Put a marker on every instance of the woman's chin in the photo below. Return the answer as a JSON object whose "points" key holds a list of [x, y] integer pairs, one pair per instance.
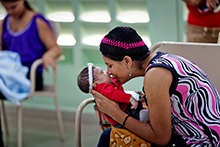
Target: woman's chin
{"points": [[121, 81]]}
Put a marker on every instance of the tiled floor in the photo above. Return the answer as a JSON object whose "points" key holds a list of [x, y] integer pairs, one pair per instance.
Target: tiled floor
{"points": [[43, 131]]}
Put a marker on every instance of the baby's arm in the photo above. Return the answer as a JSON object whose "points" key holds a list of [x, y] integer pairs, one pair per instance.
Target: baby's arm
{"points": [[112, 93]]}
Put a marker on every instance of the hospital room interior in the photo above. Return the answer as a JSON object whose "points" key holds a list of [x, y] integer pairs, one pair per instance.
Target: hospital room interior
{"points": [[80, 26]]}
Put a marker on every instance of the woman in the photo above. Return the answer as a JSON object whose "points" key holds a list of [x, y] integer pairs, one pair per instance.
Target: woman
{"points": [[203, 23], [30, 34], [182, 101]]}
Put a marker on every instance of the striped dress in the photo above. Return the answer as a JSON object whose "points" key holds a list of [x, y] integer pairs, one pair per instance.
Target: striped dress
{"points": [[194, 101]]}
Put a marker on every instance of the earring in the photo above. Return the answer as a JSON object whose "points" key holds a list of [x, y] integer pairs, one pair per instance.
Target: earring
{"points": [[130, 72]]}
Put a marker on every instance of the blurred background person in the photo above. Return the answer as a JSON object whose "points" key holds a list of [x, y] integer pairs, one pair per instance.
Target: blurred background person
{"points": [[28, 33], [203, 24]]}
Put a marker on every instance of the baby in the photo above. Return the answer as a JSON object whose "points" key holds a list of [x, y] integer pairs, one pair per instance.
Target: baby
{"points": [[112, 89]]}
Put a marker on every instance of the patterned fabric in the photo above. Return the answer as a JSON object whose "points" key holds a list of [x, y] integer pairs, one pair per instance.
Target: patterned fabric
{"points": [[122, 137], [194, 101], [25, 42]]}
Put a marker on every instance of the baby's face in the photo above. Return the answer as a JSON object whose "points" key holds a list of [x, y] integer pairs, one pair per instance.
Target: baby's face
{"points": [[103, 77]]}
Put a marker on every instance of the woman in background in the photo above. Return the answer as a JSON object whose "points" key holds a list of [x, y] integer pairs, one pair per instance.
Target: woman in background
{"points": [[28, 33], [203, 24]]}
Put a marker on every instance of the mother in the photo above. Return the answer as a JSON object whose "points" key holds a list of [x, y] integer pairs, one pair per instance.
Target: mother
{"points": [[181, 99]]}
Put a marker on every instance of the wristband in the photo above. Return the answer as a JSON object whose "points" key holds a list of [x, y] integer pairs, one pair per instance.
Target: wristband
{"points": [[125, 120]]}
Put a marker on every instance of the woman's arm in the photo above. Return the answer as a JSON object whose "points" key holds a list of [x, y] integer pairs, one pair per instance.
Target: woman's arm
{"points": [[48, 39], [156, 83], [1, 29]]}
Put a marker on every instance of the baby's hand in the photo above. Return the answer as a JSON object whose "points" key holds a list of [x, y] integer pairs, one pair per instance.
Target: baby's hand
{"points": [[133, 102]]}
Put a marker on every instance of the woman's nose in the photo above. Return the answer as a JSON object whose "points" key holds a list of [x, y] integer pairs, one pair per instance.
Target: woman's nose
{"points": [[108, 72], [9, 11]]}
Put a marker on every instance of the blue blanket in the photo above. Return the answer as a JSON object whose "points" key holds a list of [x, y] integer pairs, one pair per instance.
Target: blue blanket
{"points": [[13, 82]]}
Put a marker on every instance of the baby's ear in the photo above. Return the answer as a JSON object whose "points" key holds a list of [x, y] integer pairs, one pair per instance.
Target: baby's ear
{"points": [[95, 83]]}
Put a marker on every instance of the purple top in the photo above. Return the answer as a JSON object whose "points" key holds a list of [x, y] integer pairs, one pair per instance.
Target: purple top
{"points": [[25, 42]]}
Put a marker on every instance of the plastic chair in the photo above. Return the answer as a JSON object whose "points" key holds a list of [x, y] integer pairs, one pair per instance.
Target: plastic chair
{"points": [[78, 119], [79, 115], [48, 91], [205, 55]]}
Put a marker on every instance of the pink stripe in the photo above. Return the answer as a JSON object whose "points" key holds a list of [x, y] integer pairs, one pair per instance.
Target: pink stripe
{"points": [[216, 128], [190, 64], [177, 64], [121, 44], [179, 131]]}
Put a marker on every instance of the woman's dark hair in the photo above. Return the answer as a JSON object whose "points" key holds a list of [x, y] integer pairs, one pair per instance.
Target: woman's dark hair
{"points": [[26, 4], [124, 41]]}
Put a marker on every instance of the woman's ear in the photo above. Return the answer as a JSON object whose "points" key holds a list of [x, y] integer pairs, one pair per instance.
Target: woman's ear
{"points": [[128, 61]]}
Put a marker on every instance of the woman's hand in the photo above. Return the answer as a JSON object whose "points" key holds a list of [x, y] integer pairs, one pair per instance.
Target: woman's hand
{"points": [[105, 105], [48, 60], [211, 4]]}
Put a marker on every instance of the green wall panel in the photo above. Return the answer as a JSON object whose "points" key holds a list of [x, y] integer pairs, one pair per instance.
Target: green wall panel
{"points": [[68, 53], [163, 20], [93, 56], [166, 24]]}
